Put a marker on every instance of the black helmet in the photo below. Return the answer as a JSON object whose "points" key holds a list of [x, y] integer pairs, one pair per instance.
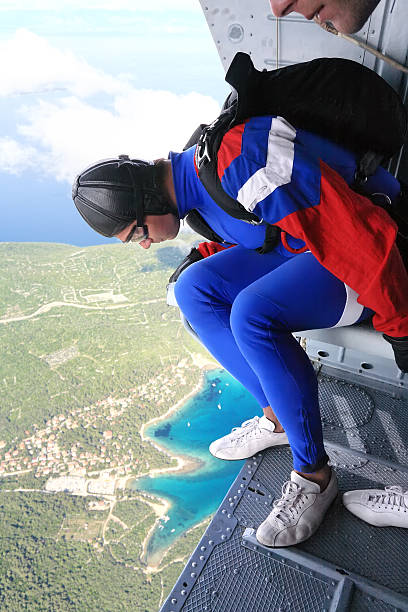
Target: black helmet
{"points": [[112, 193]]}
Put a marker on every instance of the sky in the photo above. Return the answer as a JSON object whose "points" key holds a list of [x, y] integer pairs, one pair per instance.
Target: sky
{"points": [[89, 80]]}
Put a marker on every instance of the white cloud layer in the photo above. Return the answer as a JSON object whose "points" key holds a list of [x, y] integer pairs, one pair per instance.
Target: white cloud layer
{"points": [[14, 156], [34, 65], [107, 5], [61, 137]]}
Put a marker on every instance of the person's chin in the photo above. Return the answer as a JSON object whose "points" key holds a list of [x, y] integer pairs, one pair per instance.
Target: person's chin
{"points": [[348, 24]]}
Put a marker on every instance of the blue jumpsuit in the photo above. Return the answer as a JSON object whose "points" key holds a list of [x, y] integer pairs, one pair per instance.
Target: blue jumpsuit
{"points": [[244, 306]]}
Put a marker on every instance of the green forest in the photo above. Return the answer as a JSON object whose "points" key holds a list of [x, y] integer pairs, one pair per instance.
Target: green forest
{"points": [[90, 352]]}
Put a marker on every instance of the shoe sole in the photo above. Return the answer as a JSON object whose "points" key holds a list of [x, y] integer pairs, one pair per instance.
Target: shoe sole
{"points": [[374, 523], [248, 456]]}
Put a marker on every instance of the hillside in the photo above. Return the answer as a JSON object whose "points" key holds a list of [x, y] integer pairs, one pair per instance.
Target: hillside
{"points": [[90, 352]]}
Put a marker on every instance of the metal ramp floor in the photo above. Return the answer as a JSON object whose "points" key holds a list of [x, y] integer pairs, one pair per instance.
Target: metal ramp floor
{"points": [[347, 564]]}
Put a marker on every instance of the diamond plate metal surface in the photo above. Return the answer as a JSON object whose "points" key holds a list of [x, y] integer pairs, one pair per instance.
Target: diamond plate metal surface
{"points": [[363, 602], [343, 404], [380, 419], [364, 431]]}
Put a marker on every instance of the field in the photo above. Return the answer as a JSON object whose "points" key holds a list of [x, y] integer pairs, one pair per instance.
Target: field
{"points": [[90, 352]]}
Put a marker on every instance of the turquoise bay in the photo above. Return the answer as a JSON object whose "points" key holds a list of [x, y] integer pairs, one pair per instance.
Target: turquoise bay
{"points": [[221, 404]]}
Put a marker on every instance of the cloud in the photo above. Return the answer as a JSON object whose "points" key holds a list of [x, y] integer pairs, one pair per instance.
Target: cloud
{"points": [[14, 156], [96, 116], [107, 5], [145, 124], [36, 66]]}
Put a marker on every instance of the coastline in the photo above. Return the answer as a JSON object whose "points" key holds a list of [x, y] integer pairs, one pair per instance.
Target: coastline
{"points": [[156, 559], [185, 463]]}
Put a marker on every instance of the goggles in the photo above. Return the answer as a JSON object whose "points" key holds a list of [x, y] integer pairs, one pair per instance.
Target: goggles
{"points": [[137, 234]]}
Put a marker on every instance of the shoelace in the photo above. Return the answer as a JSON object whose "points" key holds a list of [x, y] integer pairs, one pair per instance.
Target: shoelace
{"points": [[392, 496], [247, 425], [283, 508]]}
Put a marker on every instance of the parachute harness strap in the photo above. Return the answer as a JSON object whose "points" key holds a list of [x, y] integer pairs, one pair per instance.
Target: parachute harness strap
{"points": [[125, 161]]}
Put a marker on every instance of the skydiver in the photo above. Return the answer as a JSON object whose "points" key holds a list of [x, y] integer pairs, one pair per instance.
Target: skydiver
{"points": [[244, 305], [378, 507], [346, 15]]}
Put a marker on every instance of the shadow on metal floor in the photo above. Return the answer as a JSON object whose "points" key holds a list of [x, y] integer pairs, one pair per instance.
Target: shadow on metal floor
{"points": [[347, 565]]}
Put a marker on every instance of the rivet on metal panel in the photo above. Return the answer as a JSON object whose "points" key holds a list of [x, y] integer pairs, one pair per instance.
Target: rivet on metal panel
{"points": [[228, 529], [193, 574], [214, 593], [201, 557], [211, 542], [174, 600], [229, 516], [230, 499], [203, 548], [194, 564], [223, 511], [183, 592], [223, 537]]}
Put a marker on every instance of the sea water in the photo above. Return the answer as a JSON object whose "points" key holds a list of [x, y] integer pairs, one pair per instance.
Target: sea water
{"points": [[223, 403]]}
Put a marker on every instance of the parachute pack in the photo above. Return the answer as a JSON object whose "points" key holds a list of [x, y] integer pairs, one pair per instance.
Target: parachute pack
{"points": [[333, 97]]}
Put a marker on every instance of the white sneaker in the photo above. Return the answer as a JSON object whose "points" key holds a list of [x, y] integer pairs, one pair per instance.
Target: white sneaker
{"points": [[381, 508], [245, 441], [298, 513]]}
